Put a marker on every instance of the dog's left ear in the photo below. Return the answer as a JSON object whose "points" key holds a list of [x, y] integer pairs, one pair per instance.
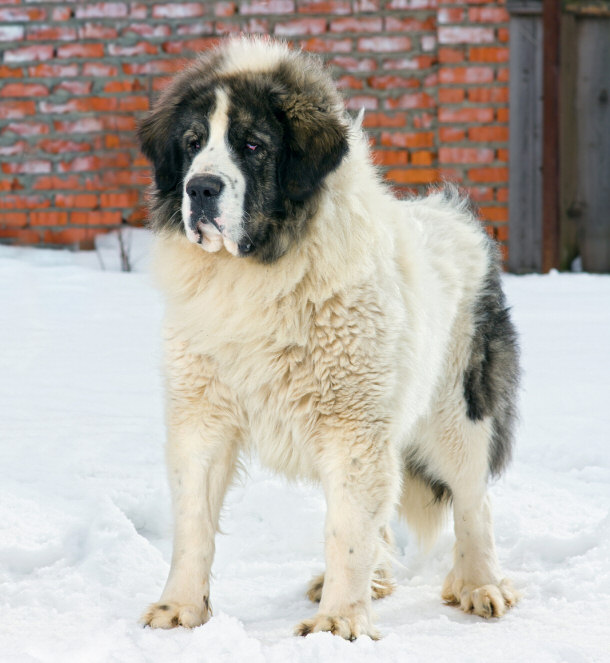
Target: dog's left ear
{"points": [[315, 142], [160, 145]]}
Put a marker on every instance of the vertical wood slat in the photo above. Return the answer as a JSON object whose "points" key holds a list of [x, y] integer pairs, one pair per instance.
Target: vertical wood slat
{"points": [[592, 106], [525, 186], [551, 20]]}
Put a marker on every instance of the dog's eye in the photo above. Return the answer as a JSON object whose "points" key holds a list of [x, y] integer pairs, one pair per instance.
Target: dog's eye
{"points": [[251, 147], [194, 145]]}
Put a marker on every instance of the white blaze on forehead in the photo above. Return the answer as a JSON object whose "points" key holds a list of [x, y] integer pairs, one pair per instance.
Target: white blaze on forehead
{"points": [[216, 158]]}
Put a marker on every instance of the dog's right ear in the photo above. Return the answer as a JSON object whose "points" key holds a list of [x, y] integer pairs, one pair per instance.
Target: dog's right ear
{"points": [[160, 145]]}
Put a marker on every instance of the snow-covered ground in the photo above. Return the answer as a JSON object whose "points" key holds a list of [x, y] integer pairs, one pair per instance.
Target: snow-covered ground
{"points": [[85, 527]]}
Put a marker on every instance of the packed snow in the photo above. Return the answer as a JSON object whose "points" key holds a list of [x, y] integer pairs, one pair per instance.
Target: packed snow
{"points": [[85, 524]]}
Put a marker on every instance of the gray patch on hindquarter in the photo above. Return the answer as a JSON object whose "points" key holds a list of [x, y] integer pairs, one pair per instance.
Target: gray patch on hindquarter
{"points": [[416, 467], [492, 376]]}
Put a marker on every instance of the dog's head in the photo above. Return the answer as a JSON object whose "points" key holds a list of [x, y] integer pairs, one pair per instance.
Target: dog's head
{"points": [[241, 143]]}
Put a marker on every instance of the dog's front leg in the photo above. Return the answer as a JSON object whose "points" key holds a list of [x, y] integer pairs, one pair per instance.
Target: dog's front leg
{"points": [[202, 451], [360, 494]]}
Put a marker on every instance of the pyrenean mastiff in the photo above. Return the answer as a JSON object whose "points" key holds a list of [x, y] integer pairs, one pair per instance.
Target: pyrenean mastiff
{"points": [[345, 335]]}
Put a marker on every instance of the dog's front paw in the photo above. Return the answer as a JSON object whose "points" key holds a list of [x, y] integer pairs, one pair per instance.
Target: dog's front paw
{"points": [[170, 615], [347, 627], [490, 600]]}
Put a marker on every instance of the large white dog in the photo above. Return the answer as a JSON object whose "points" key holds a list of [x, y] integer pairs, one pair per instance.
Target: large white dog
{"points": [[343, 334]]}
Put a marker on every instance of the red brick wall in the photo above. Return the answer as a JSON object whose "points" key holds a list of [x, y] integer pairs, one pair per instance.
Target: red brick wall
{"points": [[75, 76]]}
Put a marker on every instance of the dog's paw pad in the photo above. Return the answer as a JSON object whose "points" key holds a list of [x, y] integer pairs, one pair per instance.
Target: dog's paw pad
{"points": [[170, 615]]}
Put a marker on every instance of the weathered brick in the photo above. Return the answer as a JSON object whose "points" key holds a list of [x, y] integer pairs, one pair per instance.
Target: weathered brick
{"points": [[101, 10], [80, 51], [465, 155], [356, 25], [465, 35], [488, 174], [19, 90], [466, 75], [76, 200], [51, 33], [384, 44], [29, 53], [304, 26]]}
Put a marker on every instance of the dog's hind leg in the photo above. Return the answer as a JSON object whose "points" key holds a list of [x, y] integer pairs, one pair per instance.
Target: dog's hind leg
{"points": [[459, 458], [202, 450]]}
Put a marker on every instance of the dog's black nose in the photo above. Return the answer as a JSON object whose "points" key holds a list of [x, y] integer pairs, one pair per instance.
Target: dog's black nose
{"points": [[203, 187]]}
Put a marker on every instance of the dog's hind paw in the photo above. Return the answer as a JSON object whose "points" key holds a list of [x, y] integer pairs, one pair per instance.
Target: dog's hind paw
{"points": [[491, 600], [170, 615]]}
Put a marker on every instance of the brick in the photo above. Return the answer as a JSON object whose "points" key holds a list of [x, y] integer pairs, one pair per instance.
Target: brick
{"points": [[61, 146], [97, 31], [319, 45], [391, 82], [412, 4], [62, 14], [356, 25], [51, 33], [488, 54], [77, 200], [410, 139], [80, 51], [465, 35], [465, 155], [459, 115], [488, 95], [194, 45], [31, 167], [349, 83], [97, 218], [21, 14], [407, 101], [10, 72], [82, 237], [450, 55], [450, 15], [21, 202], [101, 10], [466, 75], [225, 9], [49, 70], [304, 26], [494, 213], [26, 128], [451, 95], [451, 134], [488, 134], [93, 163], [372, 120], [132, 104], [15, 110], [82, 125], [266, 7], [481, 193], [18, 235], [54, 183], [147, 30], [29, 54], [488, 15], [126, 199], [329, 7], [142, 48], [502, 115], [133, 85], [13, 219], [74, 87], [11, 33], [409, 24], [99, 69], [353, 64], [204, 28], [389, 158], [384, 44], [422, 158], [488, 174], [16, 90], [413, 175], [51, 218], [179, 10]]}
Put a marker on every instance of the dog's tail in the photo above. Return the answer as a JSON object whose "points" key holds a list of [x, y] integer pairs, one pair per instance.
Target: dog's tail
{"points": [[424, 506]]}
